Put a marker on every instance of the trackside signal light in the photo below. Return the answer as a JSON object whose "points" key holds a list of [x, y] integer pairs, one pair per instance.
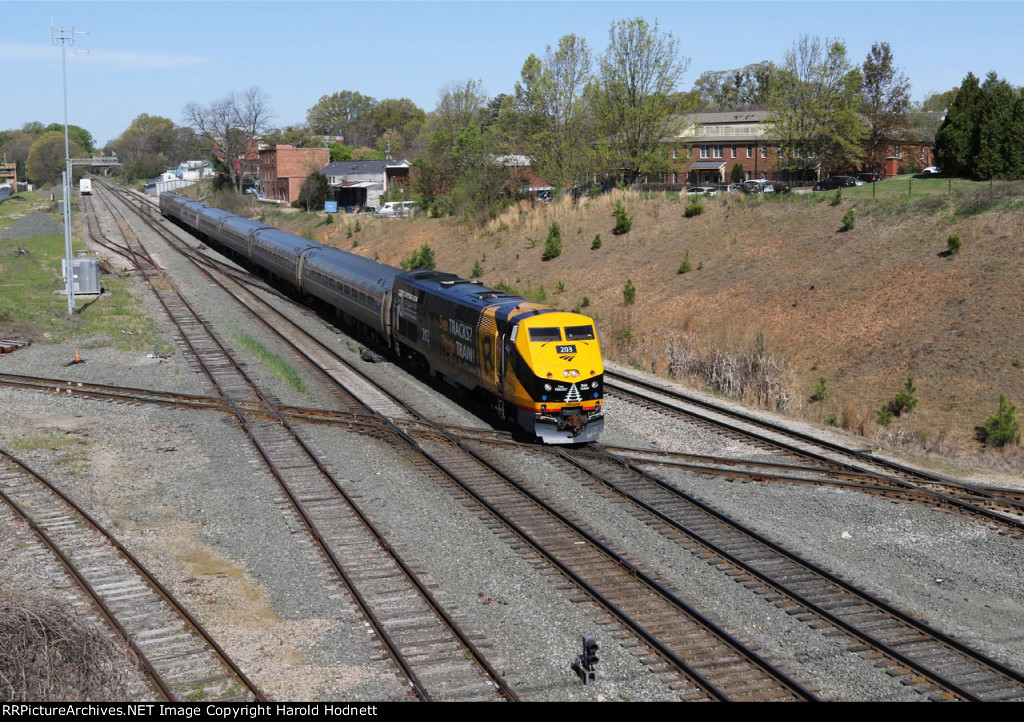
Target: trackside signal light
{"points": [[584, 664]]}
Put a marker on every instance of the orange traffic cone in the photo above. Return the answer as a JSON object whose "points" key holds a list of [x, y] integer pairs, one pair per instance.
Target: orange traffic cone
{"points": [[78, 358]]}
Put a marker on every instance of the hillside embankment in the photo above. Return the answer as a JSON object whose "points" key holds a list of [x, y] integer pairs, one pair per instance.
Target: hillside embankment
{"points": [[861, 308]]}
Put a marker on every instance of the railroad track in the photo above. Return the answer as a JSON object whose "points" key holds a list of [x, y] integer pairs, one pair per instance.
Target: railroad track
{"points": [[1003, 508], [711, 663], [420, 434], [181, 660], [644, 603], [944, 667], [438, 658]]}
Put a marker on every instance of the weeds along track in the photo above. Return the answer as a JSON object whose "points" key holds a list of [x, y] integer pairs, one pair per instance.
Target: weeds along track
{"points": [[182, 661], [867, 473], [939, 665], [430, 650]]}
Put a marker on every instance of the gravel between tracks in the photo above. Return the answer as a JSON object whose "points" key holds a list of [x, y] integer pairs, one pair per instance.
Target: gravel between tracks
{"points": [[184, 493]]}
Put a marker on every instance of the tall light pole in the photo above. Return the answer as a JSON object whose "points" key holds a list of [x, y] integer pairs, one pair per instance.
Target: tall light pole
{"points": [[66, 36]]}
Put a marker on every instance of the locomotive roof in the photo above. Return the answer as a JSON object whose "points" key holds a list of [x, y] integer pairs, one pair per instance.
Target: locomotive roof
{"points": [[472, 294]]}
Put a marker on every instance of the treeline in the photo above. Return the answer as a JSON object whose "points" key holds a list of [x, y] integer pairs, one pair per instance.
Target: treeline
{"points": [[37, 150], [982, 136]]}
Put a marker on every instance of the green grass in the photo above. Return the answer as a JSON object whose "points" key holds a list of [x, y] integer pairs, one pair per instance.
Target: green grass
{"points": [[47, 439], [32, 301], [277, 365]]}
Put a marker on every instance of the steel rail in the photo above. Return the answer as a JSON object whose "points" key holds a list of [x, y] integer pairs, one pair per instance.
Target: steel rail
{"points": [[140, 570]]}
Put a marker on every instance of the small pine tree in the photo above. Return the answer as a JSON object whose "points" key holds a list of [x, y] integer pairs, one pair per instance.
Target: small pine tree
{"points": [[820, 392], [597, 242], [884, 415], [685, 266], [420, 259], [838, 198], [629, 292], [623, 222], [905, 401], [358, 227], [1004, 427], [849, 220], [585, 302], [953, 244], [694, 208], [477, 271], [553, 245]]}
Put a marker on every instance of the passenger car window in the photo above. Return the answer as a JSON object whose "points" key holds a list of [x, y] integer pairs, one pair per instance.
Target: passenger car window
{"points": [[546, 334], [579, 333]]}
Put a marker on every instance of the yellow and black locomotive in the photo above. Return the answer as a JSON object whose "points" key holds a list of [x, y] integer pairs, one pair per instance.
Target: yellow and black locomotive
{"points": [[541, 366]]}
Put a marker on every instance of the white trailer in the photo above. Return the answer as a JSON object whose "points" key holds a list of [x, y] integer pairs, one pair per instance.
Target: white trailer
{"points": [[85, 187]]}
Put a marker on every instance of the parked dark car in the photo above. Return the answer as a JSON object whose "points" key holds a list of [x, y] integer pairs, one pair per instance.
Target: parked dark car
{"points": [[836, 181], [869, 177]]}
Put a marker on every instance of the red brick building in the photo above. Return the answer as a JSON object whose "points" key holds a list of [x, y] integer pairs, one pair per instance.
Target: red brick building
{"points": [[283, 168], [709, 145]]}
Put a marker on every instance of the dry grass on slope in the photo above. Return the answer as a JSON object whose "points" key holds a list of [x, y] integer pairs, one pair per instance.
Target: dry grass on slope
{"points": [[862, 308]]}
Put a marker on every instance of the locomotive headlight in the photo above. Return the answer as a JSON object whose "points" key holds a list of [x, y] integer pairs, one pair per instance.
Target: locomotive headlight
{"points": [[547, 387], [565, 373], [575, 373]]}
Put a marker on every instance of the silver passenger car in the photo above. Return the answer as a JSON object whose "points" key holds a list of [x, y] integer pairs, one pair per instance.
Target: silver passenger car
{"points": [[359, 287], [238, 234], [279, 253]]}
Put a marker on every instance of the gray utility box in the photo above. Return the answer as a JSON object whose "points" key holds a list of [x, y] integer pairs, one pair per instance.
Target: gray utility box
{"points": [[86, 275]]}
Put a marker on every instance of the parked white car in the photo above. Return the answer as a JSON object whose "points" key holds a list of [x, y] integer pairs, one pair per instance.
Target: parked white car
{"points": [[397, 209]]}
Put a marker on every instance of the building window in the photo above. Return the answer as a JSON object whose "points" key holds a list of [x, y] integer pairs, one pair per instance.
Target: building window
{"points": [[703, 151], [674, 154], [764, 151], [734, 151], [718, 151], [750, 151], [780, 152]]}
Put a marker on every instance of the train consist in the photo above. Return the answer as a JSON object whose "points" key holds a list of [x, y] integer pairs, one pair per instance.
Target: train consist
{"points": [[540, 367]]}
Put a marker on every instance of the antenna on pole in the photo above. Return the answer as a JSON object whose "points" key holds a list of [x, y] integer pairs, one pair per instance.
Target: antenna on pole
{"points": [[65, 37]]}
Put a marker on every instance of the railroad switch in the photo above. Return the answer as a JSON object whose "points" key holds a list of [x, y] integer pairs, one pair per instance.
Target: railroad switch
{"points": [[584, 664]]}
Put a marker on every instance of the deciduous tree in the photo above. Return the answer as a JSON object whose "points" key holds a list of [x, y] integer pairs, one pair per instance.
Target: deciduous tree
{"points": [[635, 97], [553, 116], [46, 160], [346, 113], [743, 88], [813, 108], [232, 125], [399, 119], [886, 101]]}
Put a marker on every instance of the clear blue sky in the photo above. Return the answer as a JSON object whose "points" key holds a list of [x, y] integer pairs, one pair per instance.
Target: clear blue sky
{"points": [[154, 57]]}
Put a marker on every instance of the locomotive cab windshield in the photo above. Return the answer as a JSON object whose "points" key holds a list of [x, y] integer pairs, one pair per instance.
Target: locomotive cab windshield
{"points": [[561, 377]]}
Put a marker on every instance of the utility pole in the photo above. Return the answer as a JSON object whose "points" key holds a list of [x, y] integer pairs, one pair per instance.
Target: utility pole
{"points": [[65, 37]]}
